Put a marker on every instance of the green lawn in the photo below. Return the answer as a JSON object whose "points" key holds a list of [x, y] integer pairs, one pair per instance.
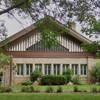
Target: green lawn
{"points": [[49, 96], [64, 87]]}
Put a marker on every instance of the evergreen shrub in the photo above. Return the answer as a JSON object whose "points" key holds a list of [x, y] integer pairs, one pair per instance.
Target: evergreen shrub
{"points": [[53, 80]]}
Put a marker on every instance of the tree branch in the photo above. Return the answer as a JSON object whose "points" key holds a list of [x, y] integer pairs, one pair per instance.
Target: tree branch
{"points": [[14, 6]]}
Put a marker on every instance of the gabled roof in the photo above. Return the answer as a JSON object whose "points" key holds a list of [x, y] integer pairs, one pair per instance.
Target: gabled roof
{"points": [[32, 27]]}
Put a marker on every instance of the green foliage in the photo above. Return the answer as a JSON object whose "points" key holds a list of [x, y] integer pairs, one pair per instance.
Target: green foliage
{"points": [[27, 82], [23, 89], [94, 27], [94, 89], [37, 89], [49, 32], [49, 89], [68, 74], [5, 89], [35, 74], [93, 47], [76, 89], [31, 89], [95, 71], [77, 80], [27, 89], [4, 60], [53, 80], [59, 89]]}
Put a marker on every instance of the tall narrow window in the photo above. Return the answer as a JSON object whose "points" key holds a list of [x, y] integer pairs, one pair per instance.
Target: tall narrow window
{"points": [[65, 66], [83, 69], [75, 69], [56, 69], [47, 69], [28, 69], [20, 69], [38, 67]]}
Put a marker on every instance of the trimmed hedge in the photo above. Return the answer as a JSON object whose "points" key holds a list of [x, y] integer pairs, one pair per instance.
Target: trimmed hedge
{"points": [[27, 82], [53, 80]]}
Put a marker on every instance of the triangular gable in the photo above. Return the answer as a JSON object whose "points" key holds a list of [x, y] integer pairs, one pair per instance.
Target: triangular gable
{"points": [[26, 35], [39, 47]]}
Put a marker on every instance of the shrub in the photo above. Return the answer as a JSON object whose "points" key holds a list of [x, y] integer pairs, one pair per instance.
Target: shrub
{"points": [[5, 89], [31, 89], [77, 80], [68, 74], [76, 89], [34, 75], [25, 89], [94, 89], [59, 89], [27, 82], [95, 71], [49, 89], [37, 89], [53, 80]]}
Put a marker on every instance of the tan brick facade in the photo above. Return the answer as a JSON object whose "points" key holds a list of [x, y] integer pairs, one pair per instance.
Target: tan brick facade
{"points": [[88, 61]]}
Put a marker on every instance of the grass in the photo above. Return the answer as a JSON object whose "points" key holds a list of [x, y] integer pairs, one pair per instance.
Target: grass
{"points": [[65, 88], [49, 96]]}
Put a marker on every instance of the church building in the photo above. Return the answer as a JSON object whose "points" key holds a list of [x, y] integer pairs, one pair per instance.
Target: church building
{"points": [[29, 54]]}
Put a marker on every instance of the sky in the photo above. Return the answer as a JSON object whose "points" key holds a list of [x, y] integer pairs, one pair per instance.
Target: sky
{"points": [[13, 26]]}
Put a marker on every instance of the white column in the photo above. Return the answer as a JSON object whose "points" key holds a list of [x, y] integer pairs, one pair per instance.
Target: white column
{"points": [[61, 69], [43, 68], [70, 66], [51, 69], [24, 69], [79, 73], [33, 67]]}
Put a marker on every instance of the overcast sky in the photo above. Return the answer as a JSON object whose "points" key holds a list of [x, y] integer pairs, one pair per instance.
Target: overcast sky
{"points": [[13, 26]]}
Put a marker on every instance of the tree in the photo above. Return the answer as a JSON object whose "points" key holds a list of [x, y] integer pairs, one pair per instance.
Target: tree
{"points": [[94, 47], [95, 71], [66, 11], [4, 60]]}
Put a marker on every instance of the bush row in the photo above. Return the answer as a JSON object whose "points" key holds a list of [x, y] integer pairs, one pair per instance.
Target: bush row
{"points": [[27, 82], [29, 89], [53, 80], [5, 89]]}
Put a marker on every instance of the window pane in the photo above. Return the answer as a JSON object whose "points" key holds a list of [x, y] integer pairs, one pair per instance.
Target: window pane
{"points": [[56, 69], [74, 69], [38, 67], [27, 70], [20, 69], [83, 69], [47, 69], [30, 68], [65, 66]]}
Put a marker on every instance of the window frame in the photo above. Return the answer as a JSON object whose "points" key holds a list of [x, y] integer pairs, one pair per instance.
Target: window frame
{"points": [[75, 69], [30, 69], [47, 69], [20, 69], [56, 69], [83, 71]]}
